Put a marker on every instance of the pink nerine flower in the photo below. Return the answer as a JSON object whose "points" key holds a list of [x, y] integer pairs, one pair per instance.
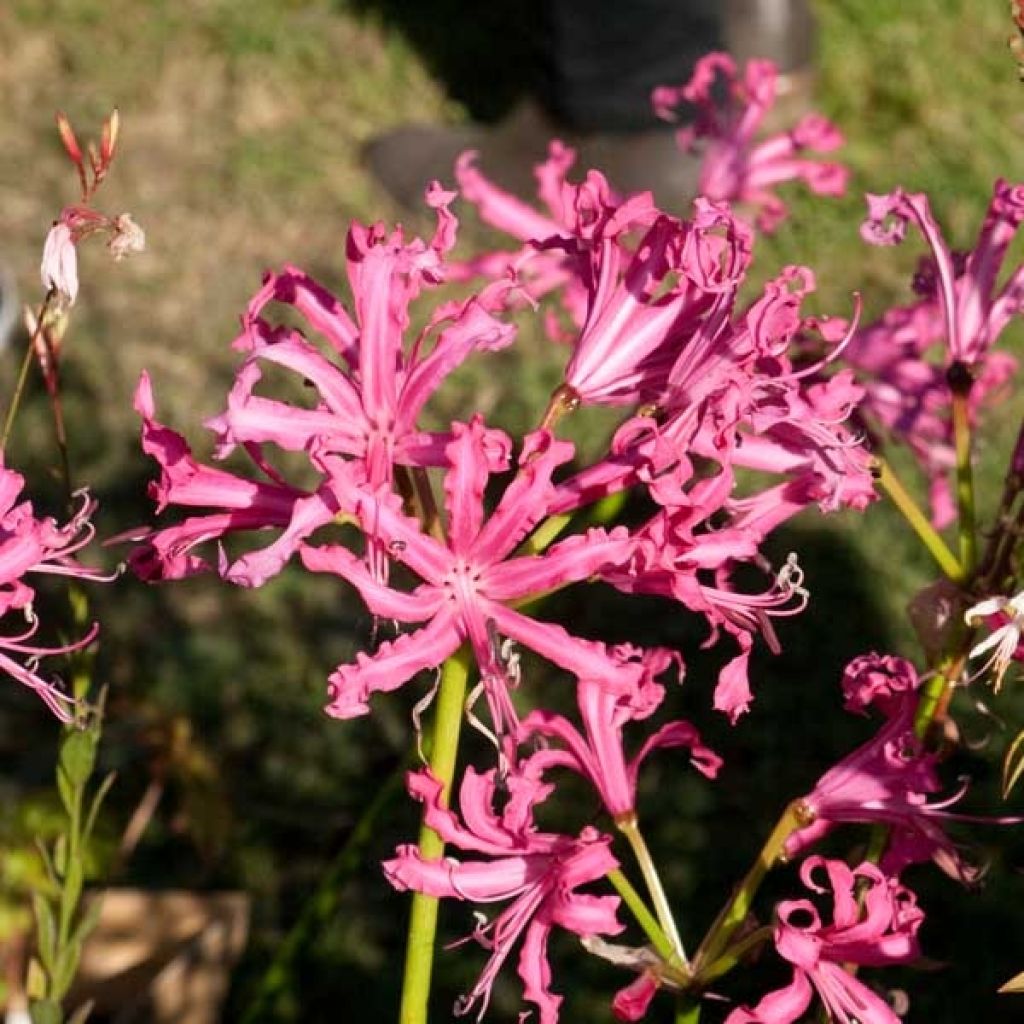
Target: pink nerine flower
{"points": [[875, 921], [471, 581], [243, 505], [538, 871], [598, 755], [371, 387], [888, 779], [32, 545], [370, 391], [974, 310], [735, 168]]}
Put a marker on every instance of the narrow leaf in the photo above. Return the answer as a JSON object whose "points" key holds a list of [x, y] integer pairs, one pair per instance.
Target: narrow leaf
{"points": [[94, 807], [46, 927]]}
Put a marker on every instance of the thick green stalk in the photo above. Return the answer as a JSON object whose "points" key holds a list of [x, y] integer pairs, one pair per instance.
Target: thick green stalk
{"points": [[419, 950], [918, 521], [647, 921], [687, 1010]]}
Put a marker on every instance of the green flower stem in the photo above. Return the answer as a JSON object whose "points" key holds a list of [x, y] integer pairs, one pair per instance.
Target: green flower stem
{"points": [[419, 950], [627, 825], [644, 918], [933, 697], [687, 1010], [966, 526], [734, 913], [918, 521], [19, 387]]}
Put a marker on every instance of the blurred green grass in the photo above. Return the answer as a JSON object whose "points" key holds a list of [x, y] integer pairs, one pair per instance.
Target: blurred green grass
{"points": [[242, 132]]}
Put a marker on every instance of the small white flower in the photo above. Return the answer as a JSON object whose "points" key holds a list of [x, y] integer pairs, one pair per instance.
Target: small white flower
{"points": [[1003, 641]]}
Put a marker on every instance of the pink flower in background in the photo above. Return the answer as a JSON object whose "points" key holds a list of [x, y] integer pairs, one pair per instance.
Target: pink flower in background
{"points": [[472, 580], [735, 167], [537, 270], [875, 922], [597, 753], [32, 545], [539, 872], [974, 310]]}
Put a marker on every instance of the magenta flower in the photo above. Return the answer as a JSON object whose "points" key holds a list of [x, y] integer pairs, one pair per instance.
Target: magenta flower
{"points": [[373, 388], [472, 580], [539, 872], [597, 754], [735, 168], [32, 545], [371, 392], [875, 921], [888, 779], [244, 505], [975, 312], [645, 306]]}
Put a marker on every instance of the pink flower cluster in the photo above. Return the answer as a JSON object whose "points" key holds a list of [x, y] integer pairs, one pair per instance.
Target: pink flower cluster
{"points": [[727, 429]]}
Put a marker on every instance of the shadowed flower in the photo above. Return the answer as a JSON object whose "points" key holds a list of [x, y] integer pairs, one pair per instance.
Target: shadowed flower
{"points": [[598, 755], [888, 779], [539, 872], [875, 921], [974, 311]]}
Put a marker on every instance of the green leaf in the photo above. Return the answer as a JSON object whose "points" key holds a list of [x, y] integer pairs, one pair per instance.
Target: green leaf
{"points": [[1013, 764], [72, 891], [77, 757], [94, 807], [46, 1011], [1014, 985], [64, 969], [46, 927], [44, 856]]}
